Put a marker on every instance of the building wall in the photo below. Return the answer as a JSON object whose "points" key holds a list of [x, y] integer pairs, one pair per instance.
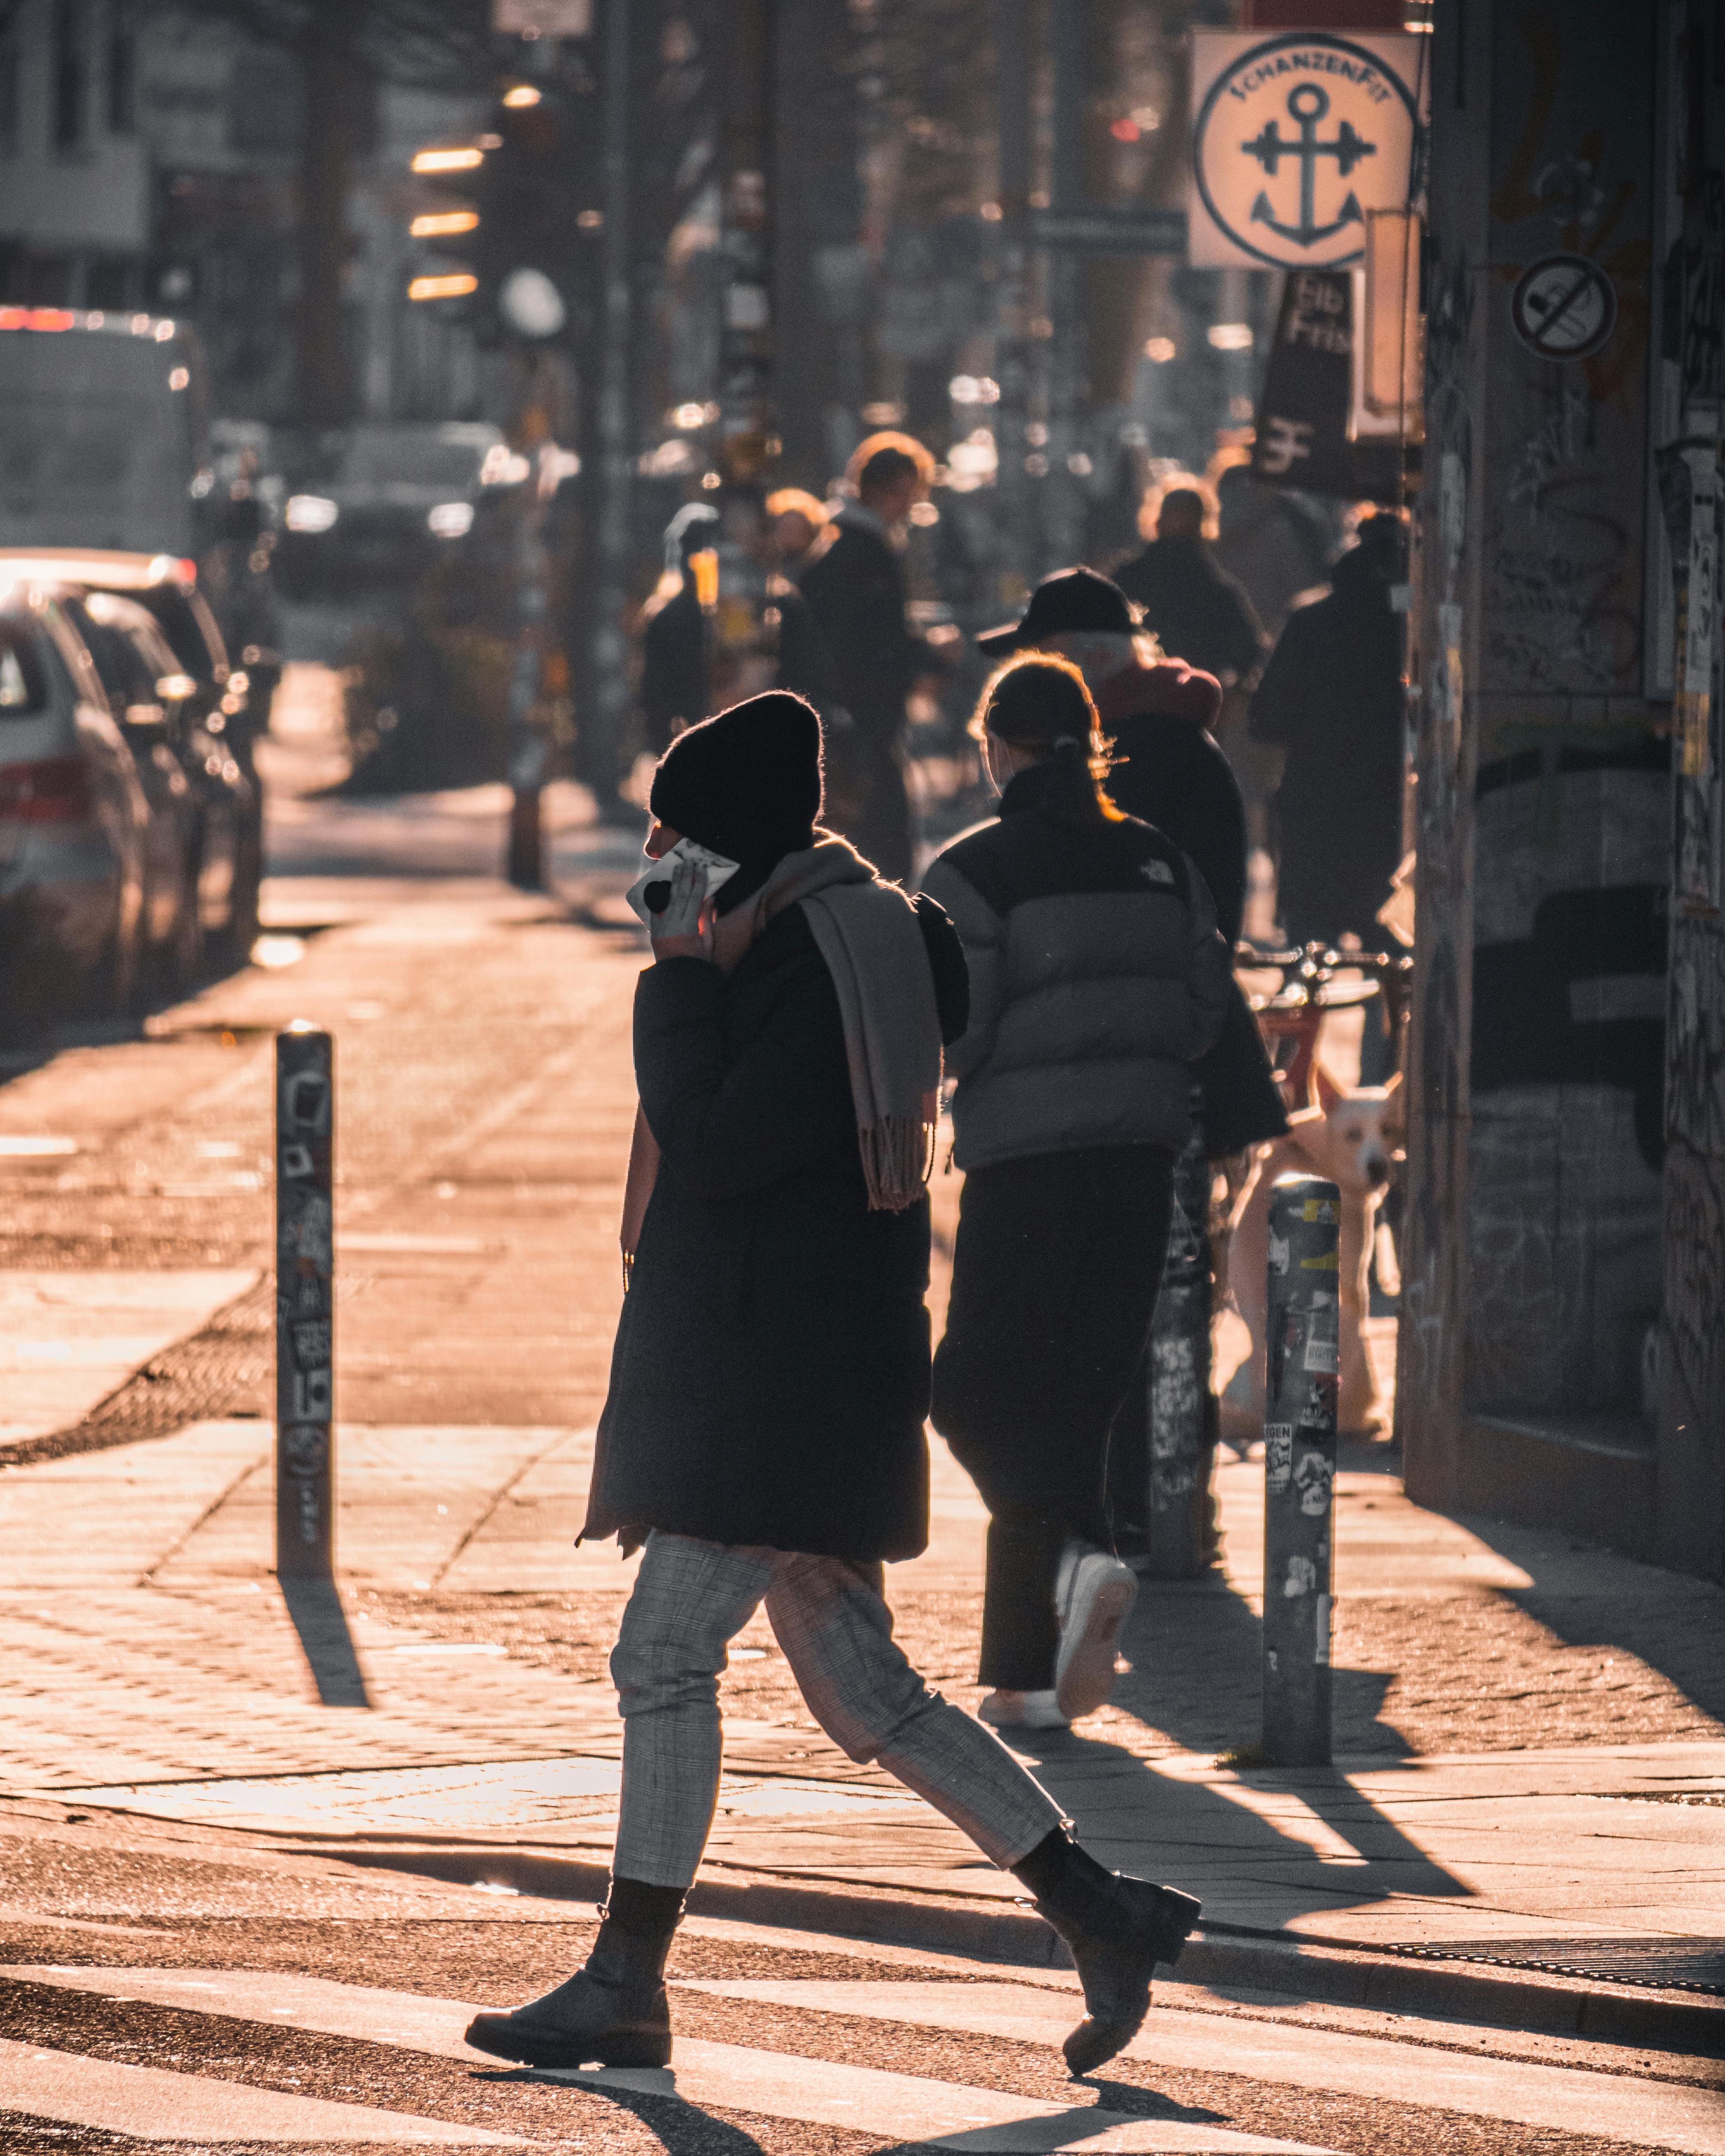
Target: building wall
{"points": [[1688, 387], [175, 191], [1534, 1262], [73, 171]]}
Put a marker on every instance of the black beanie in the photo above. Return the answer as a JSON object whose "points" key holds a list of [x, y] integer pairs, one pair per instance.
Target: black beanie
{"points": [[747, 782]]}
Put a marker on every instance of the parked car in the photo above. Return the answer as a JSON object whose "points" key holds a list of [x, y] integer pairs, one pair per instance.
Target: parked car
{"points": [[202, 802], [74, 825], [391, 499], [142, 700], [219, 710]]}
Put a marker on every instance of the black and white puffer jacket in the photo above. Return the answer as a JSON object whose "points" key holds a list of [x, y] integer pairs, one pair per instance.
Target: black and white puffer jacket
{"points": [[1096, 974]]}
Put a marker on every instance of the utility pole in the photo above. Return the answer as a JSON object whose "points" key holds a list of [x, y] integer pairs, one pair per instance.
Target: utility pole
{"points": [[606, 713], [529, 743], [1064, 274], [746, 193], [1012, 44]]}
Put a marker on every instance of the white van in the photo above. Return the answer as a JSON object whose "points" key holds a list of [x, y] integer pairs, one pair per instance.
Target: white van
{"points": [[101, 431]]}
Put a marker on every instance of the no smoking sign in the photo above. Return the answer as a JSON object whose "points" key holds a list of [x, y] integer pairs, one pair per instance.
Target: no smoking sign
{"points": [[1564, 307]]}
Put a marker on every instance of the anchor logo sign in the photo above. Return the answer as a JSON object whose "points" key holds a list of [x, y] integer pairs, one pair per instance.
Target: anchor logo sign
{"points": [[1308, 105], [1297, 139]]}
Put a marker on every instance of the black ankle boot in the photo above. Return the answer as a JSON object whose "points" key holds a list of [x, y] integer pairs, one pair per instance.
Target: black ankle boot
{"points": [[1118, 1928], [612, 2013]]}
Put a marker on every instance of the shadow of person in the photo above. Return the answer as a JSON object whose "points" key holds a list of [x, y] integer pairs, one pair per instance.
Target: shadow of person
{"points": [[1260, 1848], [648, 2094], [687, 2129], [1137, 2101], [315, 1606], [1196, 1651]]}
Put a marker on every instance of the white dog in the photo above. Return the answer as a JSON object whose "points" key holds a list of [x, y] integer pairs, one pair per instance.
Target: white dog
{"points": [[1350, 1137]]}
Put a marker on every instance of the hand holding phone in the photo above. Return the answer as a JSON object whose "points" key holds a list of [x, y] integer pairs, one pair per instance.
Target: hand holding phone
{"points": [[669, 895]]}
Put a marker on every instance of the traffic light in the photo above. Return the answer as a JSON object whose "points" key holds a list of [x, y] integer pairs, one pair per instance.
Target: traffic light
{"points": [[501, 219], [446, 220]]}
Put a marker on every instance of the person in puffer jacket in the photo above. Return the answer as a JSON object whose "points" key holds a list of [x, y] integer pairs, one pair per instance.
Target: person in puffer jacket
{"points": [[1096, 977]]}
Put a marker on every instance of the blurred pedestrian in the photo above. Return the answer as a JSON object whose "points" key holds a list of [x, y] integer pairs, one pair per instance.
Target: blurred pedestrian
{"points": [[673, 692], [1332, 699], [1096, 977], [1274, 540], [764, 1435], [752, 631], [856, 588], [799, 527], [1189, 603]]}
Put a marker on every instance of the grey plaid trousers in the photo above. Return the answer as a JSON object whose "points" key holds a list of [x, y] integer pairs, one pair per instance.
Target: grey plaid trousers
{"points": [[690, 1600]]}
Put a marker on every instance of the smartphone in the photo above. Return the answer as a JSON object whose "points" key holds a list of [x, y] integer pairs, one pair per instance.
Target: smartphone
{"points": [[649, 893]]}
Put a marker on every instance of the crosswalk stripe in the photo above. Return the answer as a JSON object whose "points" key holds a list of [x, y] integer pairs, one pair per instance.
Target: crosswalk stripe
{"points": [[150, 2104], [1656, 2114], [723, 2077]]}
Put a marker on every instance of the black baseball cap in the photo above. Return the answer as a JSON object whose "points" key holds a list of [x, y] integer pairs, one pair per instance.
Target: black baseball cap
{"points": [[1070, 601]]}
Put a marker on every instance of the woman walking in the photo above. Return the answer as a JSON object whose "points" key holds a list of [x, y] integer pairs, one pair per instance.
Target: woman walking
{"points": [[764, 1435], [1097, 976]]}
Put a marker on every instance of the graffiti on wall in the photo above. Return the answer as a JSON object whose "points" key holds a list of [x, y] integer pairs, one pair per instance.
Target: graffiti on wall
{"points": [[1561, 601]]}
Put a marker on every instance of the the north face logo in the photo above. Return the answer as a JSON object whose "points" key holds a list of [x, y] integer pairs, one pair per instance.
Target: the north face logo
{"points": [[1156, 872]]}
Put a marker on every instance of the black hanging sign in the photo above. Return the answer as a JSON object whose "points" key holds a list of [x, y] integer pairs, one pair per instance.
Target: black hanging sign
{"points": [[1302, 418]]}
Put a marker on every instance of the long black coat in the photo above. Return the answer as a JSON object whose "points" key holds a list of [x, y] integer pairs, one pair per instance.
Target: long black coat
{"points": [[1196, 611], [770, 1379], [1332, 697], [856, 591]]}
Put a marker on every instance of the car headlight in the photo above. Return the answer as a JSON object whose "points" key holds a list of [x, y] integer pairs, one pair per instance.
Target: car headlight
{"points": [[450, 520], [310, 513]]}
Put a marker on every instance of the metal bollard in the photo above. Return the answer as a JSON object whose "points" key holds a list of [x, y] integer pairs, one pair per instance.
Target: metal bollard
{"points": [[1302, 1346], [305, 1298], [1182, 1438]]}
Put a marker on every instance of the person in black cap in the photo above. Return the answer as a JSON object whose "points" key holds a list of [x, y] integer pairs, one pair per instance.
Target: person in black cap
{"points": [[1165, 766], [764, 1433]]}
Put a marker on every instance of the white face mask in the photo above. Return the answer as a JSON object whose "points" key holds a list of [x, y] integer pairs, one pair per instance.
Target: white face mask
{"points": [[660, 877]]}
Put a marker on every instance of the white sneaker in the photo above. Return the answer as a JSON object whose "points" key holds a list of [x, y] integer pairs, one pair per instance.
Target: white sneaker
{"points": [[1093, 1593], [1022, 1710]]}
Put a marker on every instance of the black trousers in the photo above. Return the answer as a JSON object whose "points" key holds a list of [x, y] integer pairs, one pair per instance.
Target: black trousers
{"points": [[1055, 1274]]}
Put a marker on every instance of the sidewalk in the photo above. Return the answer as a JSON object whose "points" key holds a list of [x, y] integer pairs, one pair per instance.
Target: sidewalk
{"points": [[1531, 1735]]}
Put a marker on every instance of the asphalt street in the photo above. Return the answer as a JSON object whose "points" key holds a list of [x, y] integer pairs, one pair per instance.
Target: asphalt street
{"points": [[230, 1998]]}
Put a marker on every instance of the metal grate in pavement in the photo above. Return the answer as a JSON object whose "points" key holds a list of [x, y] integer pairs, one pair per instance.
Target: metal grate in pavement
{"points": [[1712, 1797], [1658, 1964], [225, 1368]]}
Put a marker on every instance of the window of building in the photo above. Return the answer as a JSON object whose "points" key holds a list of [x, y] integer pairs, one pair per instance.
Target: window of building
{"points": [[9, 90], [71, 74], [122, 71]]}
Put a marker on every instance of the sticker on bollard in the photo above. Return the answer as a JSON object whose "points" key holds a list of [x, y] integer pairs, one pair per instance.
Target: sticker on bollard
{"points": [[1301, 1332], [304, 1286]]}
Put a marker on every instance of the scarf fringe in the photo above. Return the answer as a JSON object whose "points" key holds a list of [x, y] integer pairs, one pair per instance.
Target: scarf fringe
{"points": [[897, 1159]]}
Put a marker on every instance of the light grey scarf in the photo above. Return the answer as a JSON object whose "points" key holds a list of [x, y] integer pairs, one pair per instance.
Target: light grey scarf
{"points": [[868, 933]]}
